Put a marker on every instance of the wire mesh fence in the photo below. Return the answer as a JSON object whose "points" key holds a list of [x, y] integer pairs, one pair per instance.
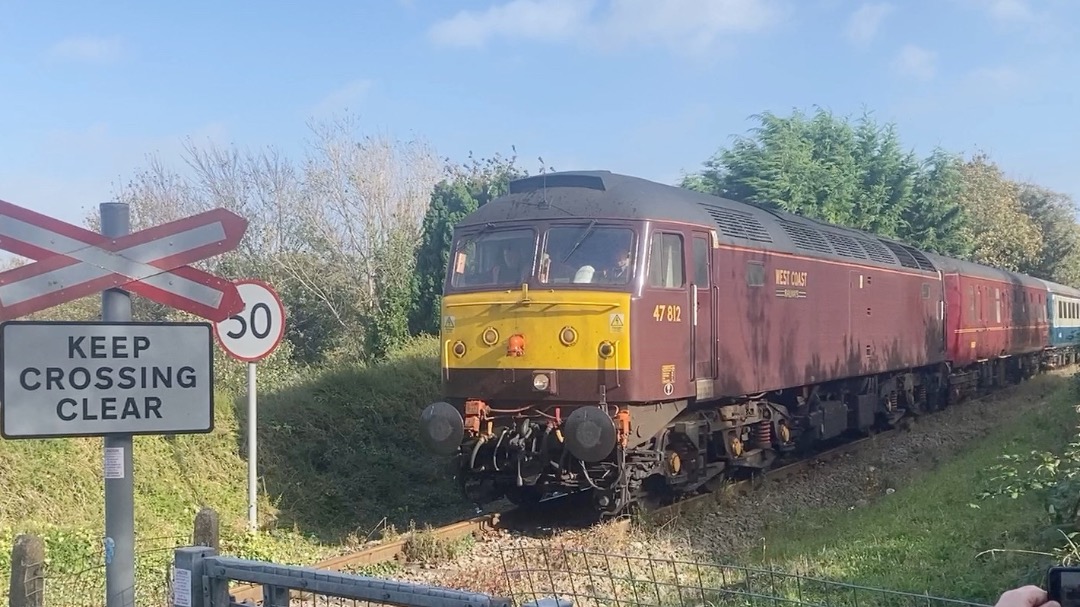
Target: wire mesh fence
{"points": [[599, 579], [52, 586]]}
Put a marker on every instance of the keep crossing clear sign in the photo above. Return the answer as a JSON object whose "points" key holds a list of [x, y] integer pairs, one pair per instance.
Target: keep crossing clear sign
{"points": [[66, 379]]}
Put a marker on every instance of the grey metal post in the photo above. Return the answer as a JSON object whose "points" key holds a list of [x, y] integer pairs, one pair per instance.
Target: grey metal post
{"points": [[252, 431], [119, 492], [189, 570]]}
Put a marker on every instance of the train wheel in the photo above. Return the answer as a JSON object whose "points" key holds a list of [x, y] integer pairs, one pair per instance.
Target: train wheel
{"points": [[524, 496]]}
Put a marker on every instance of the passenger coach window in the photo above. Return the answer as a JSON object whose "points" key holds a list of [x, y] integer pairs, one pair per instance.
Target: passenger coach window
{"points": [[666, 261]]}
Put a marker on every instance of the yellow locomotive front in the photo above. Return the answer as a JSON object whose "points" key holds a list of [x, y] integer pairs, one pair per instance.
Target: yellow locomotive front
{"points": [[535, 324]]}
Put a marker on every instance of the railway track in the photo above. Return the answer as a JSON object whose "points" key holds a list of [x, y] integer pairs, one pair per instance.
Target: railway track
{"points": [[519, 519], [522, 519]]}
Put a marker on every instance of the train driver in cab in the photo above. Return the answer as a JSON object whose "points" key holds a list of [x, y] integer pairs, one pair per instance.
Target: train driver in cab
{"points": [[618, 272], [509, 270]]}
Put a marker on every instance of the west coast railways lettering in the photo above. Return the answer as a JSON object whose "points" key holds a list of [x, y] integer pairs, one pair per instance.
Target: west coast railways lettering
{"points": [[87, 379], [790, 278]]}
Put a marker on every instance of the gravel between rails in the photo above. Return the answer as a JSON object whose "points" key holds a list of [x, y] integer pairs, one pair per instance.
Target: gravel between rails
{"points": [[733, 524]]}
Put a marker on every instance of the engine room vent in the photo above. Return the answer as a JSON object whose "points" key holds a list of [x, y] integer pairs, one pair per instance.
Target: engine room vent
{"points": [[845, 245], [738, 224], [906, 258], [805, 237], [877, 252], [923, 260]]}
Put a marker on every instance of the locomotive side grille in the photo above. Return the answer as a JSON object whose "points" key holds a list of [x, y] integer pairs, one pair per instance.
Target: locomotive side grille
{"points": [[923, 261], [906, 258], [738, 224], [845, 245], [877, 252], [806, 237]]}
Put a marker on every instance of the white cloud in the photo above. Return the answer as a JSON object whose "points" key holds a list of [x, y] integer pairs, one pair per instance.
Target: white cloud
{"points": [[346, 97], [681, 25], [916, 62], [1008, 10], [87, 49], [864, 22]]}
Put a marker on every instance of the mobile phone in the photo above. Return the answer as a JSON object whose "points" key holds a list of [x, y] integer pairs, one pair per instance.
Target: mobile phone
{"points": [[1063, 585]]}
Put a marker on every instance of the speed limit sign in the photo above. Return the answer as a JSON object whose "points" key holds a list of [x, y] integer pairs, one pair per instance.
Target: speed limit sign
{"points": [[254, 332]]}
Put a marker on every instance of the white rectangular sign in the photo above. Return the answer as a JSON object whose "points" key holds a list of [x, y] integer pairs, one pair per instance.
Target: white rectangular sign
{"points": [[94, 378]]}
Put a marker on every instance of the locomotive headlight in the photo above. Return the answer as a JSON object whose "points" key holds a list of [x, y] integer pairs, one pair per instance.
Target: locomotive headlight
{"points": [[606, 349], [459, 348], [541, 381], [568, 336], [490, 336]]}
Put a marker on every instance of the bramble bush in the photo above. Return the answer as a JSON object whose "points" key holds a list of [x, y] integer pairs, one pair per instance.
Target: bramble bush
{"points": [[1055, 476]]}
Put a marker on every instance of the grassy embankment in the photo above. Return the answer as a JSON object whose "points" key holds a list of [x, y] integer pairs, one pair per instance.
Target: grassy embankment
{"points": [[934, 534], [340, 462], [338, 453]]}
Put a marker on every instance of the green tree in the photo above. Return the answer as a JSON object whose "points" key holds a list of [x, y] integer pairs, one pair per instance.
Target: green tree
{"points": [[933, 218], [826, 168], [1058, 258], [465, 189], [1000, 233]]}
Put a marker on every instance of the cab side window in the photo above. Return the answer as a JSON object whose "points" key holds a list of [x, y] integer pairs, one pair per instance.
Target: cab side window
{"points": [[701, 262], [666, 269]]}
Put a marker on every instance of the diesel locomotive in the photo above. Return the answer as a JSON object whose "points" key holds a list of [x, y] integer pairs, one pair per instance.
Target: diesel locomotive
{"points": [[608, 333]]}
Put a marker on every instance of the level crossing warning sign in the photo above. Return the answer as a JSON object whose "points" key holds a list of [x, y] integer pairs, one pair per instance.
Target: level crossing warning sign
{"points": [[65, 379]]}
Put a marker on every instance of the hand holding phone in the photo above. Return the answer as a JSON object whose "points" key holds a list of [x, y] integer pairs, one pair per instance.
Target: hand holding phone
{"points": [[1026, 596], [1063, 586]]}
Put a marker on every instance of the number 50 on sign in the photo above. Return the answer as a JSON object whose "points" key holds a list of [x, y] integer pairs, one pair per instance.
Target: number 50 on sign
{"points": [[254, 332]]}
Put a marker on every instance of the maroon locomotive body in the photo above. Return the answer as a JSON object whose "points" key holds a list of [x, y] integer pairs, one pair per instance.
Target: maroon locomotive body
{"points": [[733, 334]]}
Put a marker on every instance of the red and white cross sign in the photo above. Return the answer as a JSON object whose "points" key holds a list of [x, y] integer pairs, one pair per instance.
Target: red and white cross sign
{"points": [[73, 262]]}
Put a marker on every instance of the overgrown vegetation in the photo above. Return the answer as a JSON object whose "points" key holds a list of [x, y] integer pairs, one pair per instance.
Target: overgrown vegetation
{"points": [[931, 535], [356, 237], [1049, 476]]}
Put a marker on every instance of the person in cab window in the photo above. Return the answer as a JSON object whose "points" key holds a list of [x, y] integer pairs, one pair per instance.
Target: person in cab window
{"points": [[509, 270], [619, 272]]}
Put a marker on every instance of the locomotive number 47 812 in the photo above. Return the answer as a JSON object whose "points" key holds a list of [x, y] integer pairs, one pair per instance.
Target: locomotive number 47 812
{"points": [[667, 312]]}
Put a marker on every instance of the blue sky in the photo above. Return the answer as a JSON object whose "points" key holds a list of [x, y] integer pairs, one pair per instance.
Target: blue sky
{"points": [[646, 87]]}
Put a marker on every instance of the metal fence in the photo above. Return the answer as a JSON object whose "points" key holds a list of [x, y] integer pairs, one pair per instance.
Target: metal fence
{"points": [[43, 583], [532, 577], [596, 579], [202, 579]]}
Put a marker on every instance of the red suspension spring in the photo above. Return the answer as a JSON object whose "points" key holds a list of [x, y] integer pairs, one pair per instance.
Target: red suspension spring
{"points": [[763, 433]]}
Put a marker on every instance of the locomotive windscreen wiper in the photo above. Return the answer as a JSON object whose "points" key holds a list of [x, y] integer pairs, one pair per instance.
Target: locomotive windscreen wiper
{"points": [[469, 239], [577, 244]]}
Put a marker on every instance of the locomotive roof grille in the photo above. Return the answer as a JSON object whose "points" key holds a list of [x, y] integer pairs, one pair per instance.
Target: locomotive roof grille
{"points": [[877, 251], [738, 224], [924, 261], [905, 258], [845, 245], [806, 237]]}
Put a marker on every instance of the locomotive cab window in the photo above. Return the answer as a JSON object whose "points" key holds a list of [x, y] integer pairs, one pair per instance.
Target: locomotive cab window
{"points": [[587, 253], [491, 257], [701, 262], [666, 261]]}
